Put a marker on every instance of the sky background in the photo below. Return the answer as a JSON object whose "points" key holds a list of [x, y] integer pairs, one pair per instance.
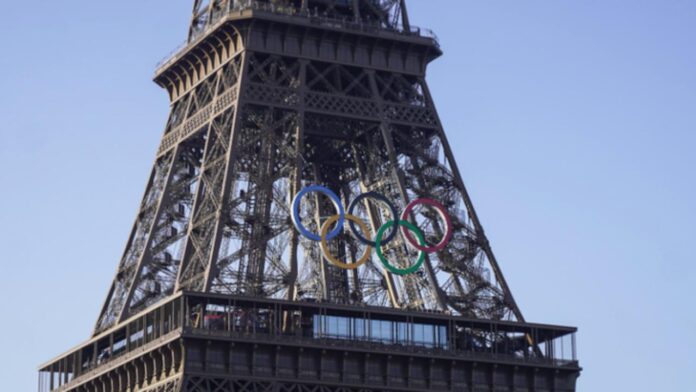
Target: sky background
{"points": [[573, 122]]}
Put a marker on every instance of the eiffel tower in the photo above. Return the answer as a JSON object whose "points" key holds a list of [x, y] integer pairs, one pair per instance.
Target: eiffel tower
{"points": [[218, 288]]}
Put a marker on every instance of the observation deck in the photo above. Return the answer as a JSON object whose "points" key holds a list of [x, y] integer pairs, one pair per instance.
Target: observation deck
{"points": [[369, 347]]}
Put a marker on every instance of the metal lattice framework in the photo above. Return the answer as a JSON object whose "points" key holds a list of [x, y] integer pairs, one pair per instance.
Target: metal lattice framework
{"points": [[217, 291], [252, 122]]}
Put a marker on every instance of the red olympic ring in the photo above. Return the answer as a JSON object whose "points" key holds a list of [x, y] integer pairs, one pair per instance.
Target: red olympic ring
{"points": [[443, 214]]}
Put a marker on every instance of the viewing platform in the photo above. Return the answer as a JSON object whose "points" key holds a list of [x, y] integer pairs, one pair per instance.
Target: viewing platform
{"points": [[273, 327]]}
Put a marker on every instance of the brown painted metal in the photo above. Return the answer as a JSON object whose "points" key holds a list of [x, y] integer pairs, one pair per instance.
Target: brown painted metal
{"points": [[298, 99]]}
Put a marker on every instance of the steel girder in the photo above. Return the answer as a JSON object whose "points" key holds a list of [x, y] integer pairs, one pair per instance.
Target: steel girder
{"points": [[215, 216], [251, 123]]}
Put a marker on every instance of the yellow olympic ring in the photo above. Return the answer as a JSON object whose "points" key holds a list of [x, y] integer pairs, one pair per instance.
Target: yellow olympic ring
{"points": [[325, 243]]}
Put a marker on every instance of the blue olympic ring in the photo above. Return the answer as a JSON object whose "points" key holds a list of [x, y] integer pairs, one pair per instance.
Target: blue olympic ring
{"points": [[336, 202]]}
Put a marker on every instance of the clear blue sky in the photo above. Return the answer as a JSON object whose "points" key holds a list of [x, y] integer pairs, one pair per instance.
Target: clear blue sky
{"points": [[573, 121]]}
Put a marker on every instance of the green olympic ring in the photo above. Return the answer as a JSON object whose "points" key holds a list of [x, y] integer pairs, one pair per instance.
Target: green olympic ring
{"points": [[400, 271]]}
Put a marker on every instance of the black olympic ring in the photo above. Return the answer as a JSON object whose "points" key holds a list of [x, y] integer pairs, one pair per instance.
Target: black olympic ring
{"points": [[392, 210]]}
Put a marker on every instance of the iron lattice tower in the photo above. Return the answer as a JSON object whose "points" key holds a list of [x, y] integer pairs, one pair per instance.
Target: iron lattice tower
{"points": [[268, 97]]}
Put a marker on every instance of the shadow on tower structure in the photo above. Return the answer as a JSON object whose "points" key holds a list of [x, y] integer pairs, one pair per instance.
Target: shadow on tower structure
{"points": [[223, 287]]}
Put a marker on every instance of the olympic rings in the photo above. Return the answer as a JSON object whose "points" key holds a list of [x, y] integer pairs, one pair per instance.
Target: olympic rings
{"points": [[325, 242], [443, 214], [340, 219], [383, 199], [421, 259], [296, 212]]}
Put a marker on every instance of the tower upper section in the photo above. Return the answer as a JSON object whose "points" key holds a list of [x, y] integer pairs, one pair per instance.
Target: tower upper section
{"points": [[365, 33]]}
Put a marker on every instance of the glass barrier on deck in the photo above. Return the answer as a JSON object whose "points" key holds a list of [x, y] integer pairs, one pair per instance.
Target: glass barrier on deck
{"points": [[308, 322], [380, 331]]}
